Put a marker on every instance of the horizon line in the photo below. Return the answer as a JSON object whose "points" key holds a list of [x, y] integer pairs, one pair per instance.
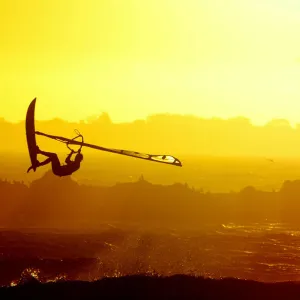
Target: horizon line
{"points": [[166, 114]]}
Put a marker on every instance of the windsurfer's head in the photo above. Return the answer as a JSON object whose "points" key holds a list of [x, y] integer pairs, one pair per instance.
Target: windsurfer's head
{"points": [[79, 157]]}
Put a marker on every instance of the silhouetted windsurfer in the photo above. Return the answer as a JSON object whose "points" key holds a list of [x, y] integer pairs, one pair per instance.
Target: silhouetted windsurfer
{"points": [[58, 169]]}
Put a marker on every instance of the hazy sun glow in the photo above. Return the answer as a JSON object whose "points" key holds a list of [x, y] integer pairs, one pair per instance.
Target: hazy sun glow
{"points": [[134, 58]]}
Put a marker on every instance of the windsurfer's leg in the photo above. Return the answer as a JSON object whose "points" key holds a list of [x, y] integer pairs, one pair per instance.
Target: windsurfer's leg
{"points": [[48, 154], [39, 164], [53, 158], [45, 162]]}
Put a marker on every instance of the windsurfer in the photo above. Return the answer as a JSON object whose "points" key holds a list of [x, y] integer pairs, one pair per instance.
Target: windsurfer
{"points": [[60, 170]]}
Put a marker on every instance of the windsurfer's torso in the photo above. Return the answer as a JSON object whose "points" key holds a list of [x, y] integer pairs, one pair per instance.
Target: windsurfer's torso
{"points": [[65, 170]]}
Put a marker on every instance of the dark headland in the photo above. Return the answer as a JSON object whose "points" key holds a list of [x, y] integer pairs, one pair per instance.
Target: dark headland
{"points": [[149, 287]]}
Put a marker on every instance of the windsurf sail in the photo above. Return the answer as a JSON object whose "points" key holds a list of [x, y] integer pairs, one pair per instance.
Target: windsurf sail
{"points": [[160, 158]]}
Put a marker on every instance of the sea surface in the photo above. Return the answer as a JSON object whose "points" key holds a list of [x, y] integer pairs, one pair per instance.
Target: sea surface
{"points": [[267, 252]]}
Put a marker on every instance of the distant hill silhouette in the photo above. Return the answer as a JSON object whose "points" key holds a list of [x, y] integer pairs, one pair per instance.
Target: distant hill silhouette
{"points": [[166, 133], [51, 201]]}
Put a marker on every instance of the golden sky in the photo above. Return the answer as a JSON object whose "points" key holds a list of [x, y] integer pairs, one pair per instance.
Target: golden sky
{"points": [[132, 58]]}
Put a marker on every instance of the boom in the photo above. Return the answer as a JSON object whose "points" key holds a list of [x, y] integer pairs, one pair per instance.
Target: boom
{"points": [[166, 159]]}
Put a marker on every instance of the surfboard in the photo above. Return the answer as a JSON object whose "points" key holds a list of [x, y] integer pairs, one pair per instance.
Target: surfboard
{"points": [[30, 134]]}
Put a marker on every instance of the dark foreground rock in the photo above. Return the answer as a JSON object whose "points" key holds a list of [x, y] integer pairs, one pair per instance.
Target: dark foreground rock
{"points": [[146, 287]]}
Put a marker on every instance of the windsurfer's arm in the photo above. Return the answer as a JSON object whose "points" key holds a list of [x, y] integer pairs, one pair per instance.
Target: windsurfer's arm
{"points": [[68, 159]]}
